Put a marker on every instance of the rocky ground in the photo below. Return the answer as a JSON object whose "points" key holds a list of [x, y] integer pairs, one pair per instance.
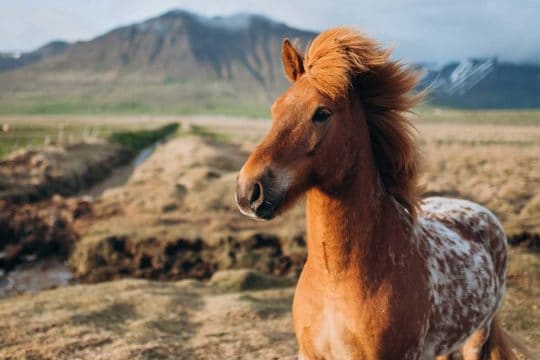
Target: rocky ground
{"points": [[36, 174], [189, 226], [238, 314], [36, 221], [48, 228], [174, 217]]}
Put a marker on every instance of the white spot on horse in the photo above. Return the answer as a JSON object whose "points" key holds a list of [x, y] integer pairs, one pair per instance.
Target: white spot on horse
{"points": [[330, 339]]}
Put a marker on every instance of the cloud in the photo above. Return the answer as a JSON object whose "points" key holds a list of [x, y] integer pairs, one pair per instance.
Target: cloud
{"points": [[420, 30]]}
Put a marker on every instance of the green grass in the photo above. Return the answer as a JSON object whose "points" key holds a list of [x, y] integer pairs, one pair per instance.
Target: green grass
{"points": [[232, 107], [138, 140], [60, 108], [133, 107], [205, 132], [190, 97], [32, 135], [165, 98]]}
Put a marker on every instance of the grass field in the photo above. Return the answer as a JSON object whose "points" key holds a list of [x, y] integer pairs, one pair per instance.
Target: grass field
{"points": [[120, 98], [39, 130], [491, 157], [479, 117], [40, 127]]}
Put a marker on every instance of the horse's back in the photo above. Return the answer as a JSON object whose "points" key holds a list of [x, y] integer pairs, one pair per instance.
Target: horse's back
{"points": [[464, 248]]}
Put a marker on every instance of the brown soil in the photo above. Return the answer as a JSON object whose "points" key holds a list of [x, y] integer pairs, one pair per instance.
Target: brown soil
{"points": [[44, 229], [189, 226], [32, 175]]}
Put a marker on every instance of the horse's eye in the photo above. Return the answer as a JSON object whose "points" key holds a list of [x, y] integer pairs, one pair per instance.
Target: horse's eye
{"points": [[321, 115]]}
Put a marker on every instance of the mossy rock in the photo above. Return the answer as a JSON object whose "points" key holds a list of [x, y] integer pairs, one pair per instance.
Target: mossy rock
{"points": [[246, 279]]}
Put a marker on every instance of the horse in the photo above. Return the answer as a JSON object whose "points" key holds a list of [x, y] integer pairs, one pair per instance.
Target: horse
{"points": [[388, 275]]}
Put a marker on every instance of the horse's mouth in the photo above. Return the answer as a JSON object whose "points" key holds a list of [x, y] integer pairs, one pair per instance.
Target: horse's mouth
{"points": [[266, 211]]}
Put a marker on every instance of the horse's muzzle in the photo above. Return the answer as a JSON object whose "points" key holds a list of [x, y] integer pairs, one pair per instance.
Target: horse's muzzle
{"points": [[256, 198]]}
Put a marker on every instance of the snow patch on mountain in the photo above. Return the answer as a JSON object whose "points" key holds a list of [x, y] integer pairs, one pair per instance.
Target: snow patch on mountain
{"points": [[458, 78], [467, 74]]}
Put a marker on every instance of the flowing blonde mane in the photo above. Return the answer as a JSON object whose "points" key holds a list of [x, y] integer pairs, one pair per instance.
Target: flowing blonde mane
{"points": [[341, 62]]}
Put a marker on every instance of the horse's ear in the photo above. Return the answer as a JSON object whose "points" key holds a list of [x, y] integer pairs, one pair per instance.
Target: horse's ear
{"points": [[293, 62]]}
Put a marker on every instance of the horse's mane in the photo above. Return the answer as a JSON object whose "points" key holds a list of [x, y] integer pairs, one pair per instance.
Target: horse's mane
{"points": [[342, 59]]}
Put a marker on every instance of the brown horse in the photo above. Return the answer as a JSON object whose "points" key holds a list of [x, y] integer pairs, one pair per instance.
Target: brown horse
{"points": [[387, 277]]}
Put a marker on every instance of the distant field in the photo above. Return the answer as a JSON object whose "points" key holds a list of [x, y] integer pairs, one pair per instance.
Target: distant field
{"points": [[30, 135], [189, 98], [78, 107], [45, 128], [507, 117], [33, 131], [133, 99]]}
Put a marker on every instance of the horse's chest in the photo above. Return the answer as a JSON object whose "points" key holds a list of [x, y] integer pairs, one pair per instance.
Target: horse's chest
{"points": [[334, 339], [332, 324]]}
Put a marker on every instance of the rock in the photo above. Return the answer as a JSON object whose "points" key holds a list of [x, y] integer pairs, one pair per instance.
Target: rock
{"points": [[106, 257], [247, 279]]}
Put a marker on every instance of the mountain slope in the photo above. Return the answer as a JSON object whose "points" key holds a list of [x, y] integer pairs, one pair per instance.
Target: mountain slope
{"points": [[177, 57], [181, 62], [10, 61], [484, 83]]}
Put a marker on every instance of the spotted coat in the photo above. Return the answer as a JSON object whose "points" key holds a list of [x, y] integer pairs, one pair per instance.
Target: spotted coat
{"points": [[464, 250]]}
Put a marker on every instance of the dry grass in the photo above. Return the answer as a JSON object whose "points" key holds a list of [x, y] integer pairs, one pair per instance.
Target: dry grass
{"points": [[136, 319], [191, 182], [497, 166], [521, 309], [39, 130]]}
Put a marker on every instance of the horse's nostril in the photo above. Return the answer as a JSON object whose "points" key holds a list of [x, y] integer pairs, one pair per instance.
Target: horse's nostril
{"points": [[256, 195]]}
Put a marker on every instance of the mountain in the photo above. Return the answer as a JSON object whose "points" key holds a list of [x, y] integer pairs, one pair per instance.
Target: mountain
{"points": [[177, 62], [483, 83], [13, 60], [181, 62]]}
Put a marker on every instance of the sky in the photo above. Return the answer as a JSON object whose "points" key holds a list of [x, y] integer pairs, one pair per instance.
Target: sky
{"points": [[419, 30]]}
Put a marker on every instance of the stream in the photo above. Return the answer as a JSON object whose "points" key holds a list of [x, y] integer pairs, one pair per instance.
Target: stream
{"points": [[35, 275]]}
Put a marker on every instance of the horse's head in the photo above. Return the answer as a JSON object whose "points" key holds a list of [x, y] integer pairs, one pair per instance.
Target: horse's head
{"points": [[318, 128], [308, 137]]}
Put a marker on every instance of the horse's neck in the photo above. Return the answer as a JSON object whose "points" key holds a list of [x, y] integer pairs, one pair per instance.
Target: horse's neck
{"points": [[351, 232]]}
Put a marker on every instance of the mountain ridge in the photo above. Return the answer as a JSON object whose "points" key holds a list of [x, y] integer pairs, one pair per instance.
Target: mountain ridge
{"points": [[180, 61]]}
